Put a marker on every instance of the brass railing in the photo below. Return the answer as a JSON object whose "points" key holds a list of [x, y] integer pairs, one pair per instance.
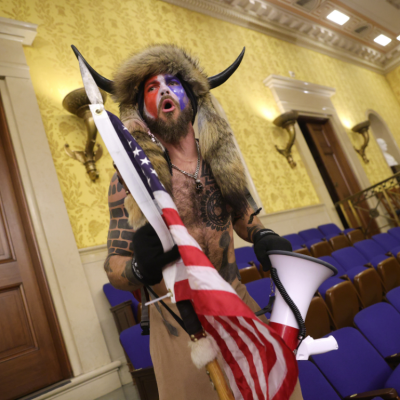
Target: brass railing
{"points": [[379, 200]]}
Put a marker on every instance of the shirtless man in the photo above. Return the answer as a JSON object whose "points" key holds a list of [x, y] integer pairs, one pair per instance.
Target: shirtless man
{"points": [[169, 111]]}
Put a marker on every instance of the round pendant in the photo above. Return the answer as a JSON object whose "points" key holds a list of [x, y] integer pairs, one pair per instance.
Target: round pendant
{"points": [[199, 185]]}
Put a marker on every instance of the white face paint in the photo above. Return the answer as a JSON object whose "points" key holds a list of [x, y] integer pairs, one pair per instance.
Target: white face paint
{"points": [[163, 94]]}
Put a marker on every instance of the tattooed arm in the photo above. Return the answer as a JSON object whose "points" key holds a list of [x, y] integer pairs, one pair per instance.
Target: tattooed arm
{"points": [[120, 251], [244, 229]]}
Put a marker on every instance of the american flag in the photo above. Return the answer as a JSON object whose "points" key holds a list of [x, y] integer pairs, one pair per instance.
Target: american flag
{"points": [[257, 362]]}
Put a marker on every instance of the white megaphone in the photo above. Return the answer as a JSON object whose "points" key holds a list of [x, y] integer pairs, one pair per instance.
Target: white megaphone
{"points": [[300, 277]]}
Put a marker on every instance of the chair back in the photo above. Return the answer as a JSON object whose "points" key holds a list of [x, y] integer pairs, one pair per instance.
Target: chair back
{"points": [[369, 287], [116, 296], [355, 236], [389, 272], [355, 367], [304, 251], [318, 320], [343, 303], [321, 249], [249, 274], [339, 242]]}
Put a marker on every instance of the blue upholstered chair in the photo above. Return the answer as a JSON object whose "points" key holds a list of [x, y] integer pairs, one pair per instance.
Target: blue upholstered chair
{"points": [[380, 324], [356, 367]]}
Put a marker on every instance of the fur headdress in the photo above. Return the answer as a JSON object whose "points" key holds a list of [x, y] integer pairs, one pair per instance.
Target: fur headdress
{"points": [[217, 147]]}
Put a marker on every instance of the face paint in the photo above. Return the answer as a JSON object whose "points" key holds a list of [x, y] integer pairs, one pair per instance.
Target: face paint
{"points": [[156, 87]]}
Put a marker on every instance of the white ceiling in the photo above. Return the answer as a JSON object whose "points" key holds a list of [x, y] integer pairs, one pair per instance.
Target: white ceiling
{"points": [[383, 12]]}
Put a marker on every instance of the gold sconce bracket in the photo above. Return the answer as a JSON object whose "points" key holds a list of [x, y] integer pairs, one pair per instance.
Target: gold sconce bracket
{"points": [[362, 129], [287, 121], [77, 103]]}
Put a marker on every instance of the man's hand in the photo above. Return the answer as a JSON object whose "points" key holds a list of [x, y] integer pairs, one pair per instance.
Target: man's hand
{"points": [[149, 257], [266, 240]]}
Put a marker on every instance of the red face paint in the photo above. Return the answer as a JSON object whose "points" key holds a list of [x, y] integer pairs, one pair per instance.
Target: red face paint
{"points": [[151, 89]]}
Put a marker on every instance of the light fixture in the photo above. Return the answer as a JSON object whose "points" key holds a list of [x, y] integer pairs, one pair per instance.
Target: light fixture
{"points": [[398, 37], [287, 121], [382, 40], [77, 103], [338, 17], [362, 129]]}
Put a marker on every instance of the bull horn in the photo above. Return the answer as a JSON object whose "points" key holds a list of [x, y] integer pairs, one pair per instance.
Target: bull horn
{"points": [[102, 83], [223, 76]]}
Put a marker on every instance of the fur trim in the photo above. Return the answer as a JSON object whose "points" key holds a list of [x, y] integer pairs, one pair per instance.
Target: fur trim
{"points": [[136, 219], [203, 351], [219, 151]]}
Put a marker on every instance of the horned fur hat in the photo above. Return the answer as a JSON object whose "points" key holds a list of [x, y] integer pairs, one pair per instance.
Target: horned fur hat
{"points": [[216, 139]]}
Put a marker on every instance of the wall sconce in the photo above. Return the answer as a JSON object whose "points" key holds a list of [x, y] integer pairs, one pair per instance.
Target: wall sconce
{"points": [[287, 121], [77, 103], [362, 129]]}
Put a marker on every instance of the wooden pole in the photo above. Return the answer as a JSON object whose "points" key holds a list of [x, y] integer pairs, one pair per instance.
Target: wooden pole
{"points": [[218, 379]]}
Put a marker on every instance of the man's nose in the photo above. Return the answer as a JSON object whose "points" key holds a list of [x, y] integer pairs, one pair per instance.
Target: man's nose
{"points": [[164, 89]]}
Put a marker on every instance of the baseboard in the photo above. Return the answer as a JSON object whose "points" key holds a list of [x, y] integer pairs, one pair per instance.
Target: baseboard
{"points": [[88, 386]]}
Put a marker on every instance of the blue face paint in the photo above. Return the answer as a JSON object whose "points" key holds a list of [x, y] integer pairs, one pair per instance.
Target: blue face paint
{"points": [[175, 85]]}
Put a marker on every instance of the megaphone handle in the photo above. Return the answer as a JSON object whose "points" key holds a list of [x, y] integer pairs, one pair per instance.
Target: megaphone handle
{"points": [[290, 303]]}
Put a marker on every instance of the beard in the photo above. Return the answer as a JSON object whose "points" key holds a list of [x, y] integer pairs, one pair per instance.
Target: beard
{"points": [[169, 130]]}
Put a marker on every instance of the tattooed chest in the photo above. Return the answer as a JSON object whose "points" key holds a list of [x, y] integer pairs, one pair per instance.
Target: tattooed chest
{"points": [[207, 217], [203, 209]]}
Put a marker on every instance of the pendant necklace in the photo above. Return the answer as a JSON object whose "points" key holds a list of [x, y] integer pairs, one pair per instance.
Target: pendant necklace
{"points": [[199, 185]]}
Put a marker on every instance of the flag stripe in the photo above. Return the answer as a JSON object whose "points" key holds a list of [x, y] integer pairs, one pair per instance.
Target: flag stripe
{"points": [[191, 255], [248, 363]]}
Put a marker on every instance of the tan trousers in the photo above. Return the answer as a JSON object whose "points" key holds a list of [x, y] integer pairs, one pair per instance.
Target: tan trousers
{"points": [[177, 377]]}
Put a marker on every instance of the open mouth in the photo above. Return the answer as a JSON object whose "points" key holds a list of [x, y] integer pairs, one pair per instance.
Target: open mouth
{"points": [[168, 106]]}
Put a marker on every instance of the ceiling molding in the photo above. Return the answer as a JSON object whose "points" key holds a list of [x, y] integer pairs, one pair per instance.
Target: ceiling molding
{"points": [[19, 31], [280, 23]]}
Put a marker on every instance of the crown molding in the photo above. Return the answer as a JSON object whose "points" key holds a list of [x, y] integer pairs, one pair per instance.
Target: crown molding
{"points": [[283, 82], [23, 32], [280, 23]]}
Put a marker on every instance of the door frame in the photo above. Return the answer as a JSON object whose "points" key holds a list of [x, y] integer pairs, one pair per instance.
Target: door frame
{"points": [[79, 323], [313, 100]]}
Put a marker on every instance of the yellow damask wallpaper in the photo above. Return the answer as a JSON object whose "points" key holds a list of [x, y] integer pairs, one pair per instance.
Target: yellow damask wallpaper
{"points": [[108, 32], [394, 79]]}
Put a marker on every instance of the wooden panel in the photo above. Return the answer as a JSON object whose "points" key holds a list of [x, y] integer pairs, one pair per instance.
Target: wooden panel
{"points": [[5, 245], [32, 353], [14, 312]]}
